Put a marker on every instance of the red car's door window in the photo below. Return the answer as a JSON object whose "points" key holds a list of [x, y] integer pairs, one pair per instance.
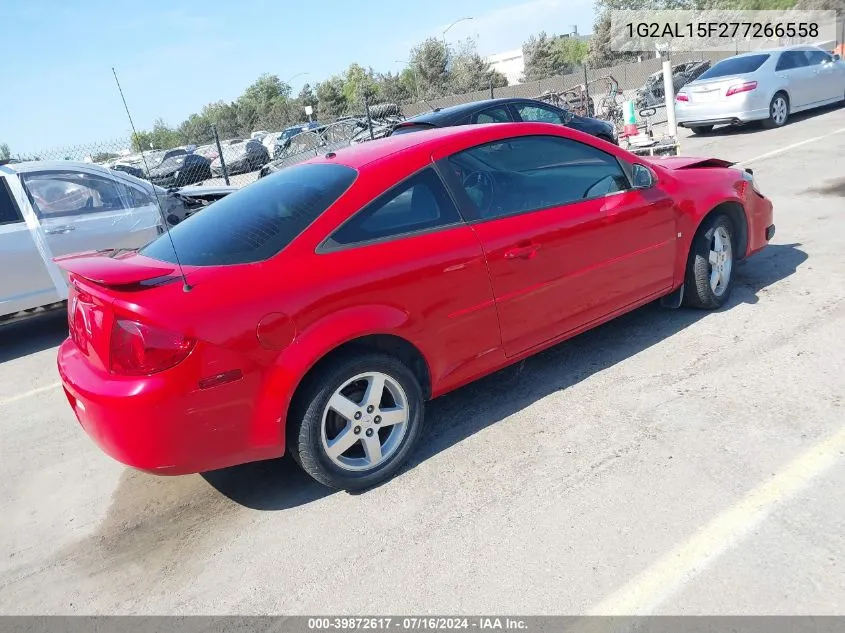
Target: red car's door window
{"points": [[539, 204]]}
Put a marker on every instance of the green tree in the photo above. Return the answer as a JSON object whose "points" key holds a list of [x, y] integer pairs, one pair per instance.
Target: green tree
{"points": [[224, 116], [331, 98], [141, 141], [163, 136], [196, 129], [550, 56], [264, 90], [537, 53], [5, 153], [307, 97], [359, 83], [396, 88], [600, 52], [468, 72], [822, 5], [748, 5], [265, 104], [569, 52], [430, 61]]}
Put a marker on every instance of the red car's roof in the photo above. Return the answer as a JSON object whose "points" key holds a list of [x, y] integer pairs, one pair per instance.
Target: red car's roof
{"points": [[359, 155]]}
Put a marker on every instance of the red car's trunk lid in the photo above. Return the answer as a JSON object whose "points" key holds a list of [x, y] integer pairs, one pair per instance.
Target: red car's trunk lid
{"points": [[688, 162]]}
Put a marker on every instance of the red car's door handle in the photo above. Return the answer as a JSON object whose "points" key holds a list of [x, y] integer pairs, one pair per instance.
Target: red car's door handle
{"points": [[522, 252]]}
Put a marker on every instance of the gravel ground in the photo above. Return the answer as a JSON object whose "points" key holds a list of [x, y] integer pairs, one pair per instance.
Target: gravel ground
{"points": [[668, 462]]}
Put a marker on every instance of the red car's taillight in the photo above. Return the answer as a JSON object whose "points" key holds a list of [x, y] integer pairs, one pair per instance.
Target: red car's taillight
{"points": [[138, 349], [744, 87]]}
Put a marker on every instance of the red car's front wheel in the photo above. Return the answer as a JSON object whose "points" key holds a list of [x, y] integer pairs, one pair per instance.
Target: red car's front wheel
{"points": [[355, 422], [710, 268]]}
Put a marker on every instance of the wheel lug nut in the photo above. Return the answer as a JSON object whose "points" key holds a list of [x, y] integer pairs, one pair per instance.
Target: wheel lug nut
{"points": [[357, 415], [377, 419], [369, 432], [370, 409], [357, 430]]}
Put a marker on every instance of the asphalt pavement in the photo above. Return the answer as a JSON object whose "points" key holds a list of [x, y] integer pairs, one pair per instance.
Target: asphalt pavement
{"points": [[679, 462]]}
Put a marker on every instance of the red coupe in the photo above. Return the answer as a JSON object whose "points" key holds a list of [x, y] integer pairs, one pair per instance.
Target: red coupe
{"points": [[322, 306]]}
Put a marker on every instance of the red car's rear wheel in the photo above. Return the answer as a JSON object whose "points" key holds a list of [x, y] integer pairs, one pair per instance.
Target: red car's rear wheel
{"points": [[355, 422]]}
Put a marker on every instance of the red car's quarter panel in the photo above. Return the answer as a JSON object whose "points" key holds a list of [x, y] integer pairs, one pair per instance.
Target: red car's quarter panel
{"points": [[430, 289]]}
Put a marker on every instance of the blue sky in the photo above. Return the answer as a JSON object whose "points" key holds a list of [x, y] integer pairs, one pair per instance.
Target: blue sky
{"points": [[173, 57]]}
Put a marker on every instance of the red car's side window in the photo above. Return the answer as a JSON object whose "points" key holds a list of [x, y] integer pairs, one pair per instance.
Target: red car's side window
{"points": [[420, 203], [531, 173]]}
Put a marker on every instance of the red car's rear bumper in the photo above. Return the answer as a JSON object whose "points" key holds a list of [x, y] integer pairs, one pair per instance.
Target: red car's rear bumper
{"points": [[158, 423]]}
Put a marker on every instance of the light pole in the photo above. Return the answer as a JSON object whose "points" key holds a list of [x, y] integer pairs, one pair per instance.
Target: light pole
{"points": [[446, 30], [413, 68], [294, 77]]}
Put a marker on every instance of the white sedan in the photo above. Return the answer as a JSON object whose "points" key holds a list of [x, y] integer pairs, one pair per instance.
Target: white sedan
{"points": [[766, 85], [49, 209]]}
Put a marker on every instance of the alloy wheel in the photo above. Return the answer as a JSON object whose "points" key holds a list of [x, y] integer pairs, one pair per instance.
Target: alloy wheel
{"points": [[779, 110], [721, 261], [364, 421]]}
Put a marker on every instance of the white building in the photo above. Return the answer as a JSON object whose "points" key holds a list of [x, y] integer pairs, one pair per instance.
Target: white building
{"points": [[511, 64]]}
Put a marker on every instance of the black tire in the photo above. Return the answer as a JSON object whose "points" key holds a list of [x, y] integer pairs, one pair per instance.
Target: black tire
{"points": [[702, 129], [698, 292], [304, 441], [773, 120]]}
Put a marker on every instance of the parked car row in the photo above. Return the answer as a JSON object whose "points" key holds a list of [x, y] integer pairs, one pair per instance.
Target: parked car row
{"points": [[387, 120], [183, 166]]}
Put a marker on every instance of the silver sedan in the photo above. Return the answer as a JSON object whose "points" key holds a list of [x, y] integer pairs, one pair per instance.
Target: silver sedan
{"points": [[764, 86]]}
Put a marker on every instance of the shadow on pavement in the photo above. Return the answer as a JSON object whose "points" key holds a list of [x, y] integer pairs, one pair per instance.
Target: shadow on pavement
{"points": [[504, 393], [756, 126], [276, 484], [32, 335], [280, 484]]}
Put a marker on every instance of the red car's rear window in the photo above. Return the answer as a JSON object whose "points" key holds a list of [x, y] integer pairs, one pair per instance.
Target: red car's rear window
{"points": [[256, 222]]}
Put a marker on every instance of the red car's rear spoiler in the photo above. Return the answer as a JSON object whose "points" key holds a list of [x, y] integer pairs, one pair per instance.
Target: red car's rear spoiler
{"points": [[119, 270]]}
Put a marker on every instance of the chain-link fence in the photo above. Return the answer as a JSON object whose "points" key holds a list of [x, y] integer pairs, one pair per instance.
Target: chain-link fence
{"points": [[238, 161]]}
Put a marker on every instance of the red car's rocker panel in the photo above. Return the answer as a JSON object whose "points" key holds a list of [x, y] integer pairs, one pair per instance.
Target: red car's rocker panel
{"points": [[231, 366]]}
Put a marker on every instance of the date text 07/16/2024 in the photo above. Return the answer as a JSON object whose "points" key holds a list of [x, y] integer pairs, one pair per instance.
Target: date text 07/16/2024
{"points": [[421, 623]]}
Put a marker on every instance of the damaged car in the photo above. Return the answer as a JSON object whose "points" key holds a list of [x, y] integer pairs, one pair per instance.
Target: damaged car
{"points": [[652, 92], [241, 158], [181, 170]]}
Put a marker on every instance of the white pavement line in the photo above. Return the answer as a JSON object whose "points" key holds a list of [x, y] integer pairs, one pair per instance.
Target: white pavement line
{"points": [[664, 578], [29, 393], [793, 146]]}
